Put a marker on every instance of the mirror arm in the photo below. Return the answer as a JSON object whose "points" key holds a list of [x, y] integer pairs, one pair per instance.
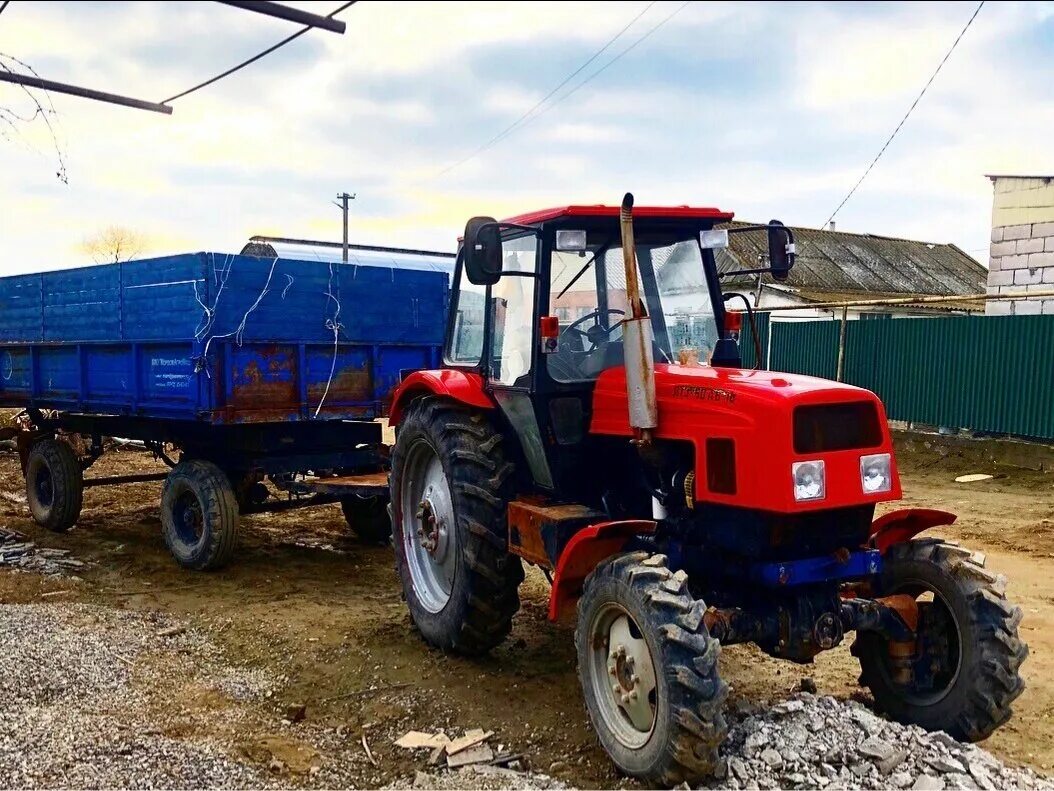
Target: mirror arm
{"points": [[746, 228], [761, 271]]}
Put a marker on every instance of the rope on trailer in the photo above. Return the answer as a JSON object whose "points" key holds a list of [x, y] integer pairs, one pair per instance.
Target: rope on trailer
{"points": [[333, 324]]}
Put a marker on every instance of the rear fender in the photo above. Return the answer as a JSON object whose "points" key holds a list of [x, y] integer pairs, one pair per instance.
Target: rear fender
{"points": [[463, 386], [903, 525], [583, 552]]}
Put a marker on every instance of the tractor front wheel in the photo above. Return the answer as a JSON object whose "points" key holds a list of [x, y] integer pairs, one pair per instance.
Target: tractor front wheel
{"points": [[649, 672], [961, 673], [450, 483]]}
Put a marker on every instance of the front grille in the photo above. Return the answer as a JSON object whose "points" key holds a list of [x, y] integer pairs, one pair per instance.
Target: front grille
{"points": [[826, 427]]}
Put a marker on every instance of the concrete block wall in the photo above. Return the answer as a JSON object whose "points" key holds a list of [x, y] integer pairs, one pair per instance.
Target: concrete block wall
{"points": [[1022, 254]]}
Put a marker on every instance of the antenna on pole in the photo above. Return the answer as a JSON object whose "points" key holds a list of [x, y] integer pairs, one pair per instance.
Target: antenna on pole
{"points": [[344, 197]]}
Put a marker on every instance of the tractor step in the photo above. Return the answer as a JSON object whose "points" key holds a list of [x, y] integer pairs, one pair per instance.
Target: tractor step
{"points": [[539, 531]]}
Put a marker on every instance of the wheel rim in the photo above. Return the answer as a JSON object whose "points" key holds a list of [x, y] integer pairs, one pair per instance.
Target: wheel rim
{"points": [[622, 673], [188, 518], [43, 486], [938, 654], [428, 530]]}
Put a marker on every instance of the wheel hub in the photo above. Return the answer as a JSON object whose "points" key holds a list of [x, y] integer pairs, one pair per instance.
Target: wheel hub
{"points": [[432, 530], [630, 683]]}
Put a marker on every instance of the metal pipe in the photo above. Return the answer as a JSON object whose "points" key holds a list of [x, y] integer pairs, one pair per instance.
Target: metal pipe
{"points": [[113, 480], [279, 11], [910, 301], [85, 93], [637, 339], [841, 344]]}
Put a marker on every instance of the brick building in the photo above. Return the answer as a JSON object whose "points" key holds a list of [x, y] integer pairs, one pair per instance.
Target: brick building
{"points": [[1022, 259]]}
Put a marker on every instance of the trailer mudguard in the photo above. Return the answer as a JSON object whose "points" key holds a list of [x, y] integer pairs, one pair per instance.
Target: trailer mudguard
{"points": [[905, 524], [583, 552], [463, 386]]}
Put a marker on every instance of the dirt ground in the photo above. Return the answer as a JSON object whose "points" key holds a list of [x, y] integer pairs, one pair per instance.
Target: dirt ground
{"points": [[322, 612]]}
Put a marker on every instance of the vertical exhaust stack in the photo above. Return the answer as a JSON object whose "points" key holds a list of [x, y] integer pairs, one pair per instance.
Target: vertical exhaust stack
{"points": [[638, 339]]}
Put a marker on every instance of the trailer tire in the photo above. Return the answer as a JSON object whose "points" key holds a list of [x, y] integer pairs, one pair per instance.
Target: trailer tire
{"points": [[368, 518], [468, 603], [635, 599], [54, 485], [976, 699], [199, 515]]}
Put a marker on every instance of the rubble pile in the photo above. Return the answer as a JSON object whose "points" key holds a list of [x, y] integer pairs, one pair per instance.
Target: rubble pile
{"points": [[17, 551], [814, 741]]}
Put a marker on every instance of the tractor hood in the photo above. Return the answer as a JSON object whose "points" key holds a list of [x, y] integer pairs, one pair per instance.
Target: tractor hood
{"points": [[764, 423]]}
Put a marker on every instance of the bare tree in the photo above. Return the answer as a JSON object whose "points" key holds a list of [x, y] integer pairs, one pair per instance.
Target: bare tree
{"points": [[113, 244], [14, 118]]}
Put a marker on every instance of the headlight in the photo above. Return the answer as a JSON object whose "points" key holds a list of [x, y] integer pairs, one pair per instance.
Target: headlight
{"points": [[876, 473], [808, 480]]}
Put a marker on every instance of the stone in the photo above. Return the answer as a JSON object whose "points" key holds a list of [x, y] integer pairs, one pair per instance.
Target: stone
{"points": [[876, 749], [795, 735], [1029, 245], [900, 780], [721, 769], [946, 765], [889, 764], [557, 767], [981, 776], [1002, 248], [1017, 231], [788, 707], [861, 769], [1028, 277], [866, 720], [738, 767], [771, 758], [754, 743], [959, 782], [1028, 307], [928, 783], [1041, 259]]}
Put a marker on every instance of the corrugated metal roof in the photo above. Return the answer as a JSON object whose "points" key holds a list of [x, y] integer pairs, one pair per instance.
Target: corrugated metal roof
{"points": [[853, 263], [368, 255]]}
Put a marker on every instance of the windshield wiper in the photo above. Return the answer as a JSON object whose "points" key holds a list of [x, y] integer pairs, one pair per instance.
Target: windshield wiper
{"points": [[600, 251]]}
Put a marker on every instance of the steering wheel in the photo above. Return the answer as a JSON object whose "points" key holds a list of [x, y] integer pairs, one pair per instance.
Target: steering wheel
{"points": [[597, 334]]}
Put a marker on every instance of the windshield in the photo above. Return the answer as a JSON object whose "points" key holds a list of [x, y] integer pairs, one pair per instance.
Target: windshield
{"points": [[588, 296]]}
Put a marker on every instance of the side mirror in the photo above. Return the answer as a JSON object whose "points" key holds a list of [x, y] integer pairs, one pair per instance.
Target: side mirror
{"points": [[781, 250], [482, 248]]}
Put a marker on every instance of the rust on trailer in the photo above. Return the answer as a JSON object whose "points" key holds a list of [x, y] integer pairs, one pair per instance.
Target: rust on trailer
{"points": [[538, 531], [351, 384]]}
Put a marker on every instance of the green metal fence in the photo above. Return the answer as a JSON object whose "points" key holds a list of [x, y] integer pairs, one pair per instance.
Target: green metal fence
{"points": [[986, 373]]}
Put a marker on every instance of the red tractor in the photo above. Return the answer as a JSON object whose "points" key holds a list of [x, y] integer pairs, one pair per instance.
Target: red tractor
{"points": [[593, 418]]}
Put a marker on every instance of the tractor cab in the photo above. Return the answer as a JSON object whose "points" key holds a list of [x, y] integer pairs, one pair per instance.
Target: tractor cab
{"points": [[540, 309]]}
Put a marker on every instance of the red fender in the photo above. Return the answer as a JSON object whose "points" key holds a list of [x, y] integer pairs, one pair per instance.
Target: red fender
{"points": [[583, 552], [905, 524], [463, 386]]}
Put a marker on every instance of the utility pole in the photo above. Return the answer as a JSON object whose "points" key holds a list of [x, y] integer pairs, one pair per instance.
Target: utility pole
{"points": [[344, 197]]}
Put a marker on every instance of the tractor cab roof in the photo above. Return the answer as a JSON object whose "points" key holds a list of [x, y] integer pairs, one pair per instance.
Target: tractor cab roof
{"points": [[671, 212]]}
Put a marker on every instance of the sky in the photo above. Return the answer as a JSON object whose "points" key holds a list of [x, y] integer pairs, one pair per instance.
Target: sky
{"points": [[767, 110]]}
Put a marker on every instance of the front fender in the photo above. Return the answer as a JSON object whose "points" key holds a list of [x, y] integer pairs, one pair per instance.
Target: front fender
{"points": [[463, 386], [583, 552], [905, 524]]}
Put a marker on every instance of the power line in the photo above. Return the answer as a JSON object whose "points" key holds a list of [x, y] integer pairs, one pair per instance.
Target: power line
{"points": [[254, 58], [511, 127], [4, 5], [905, 118]]}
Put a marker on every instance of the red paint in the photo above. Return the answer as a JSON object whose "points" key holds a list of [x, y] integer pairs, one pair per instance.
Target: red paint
{"points": [[755, 409], [733, 321], [583, 552], [463, 386], [670, 212], [905, 524]]}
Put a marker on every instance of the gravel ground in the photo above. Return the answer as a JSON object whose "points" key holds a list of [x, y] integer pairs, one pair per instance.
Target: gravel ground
{"points": [[83, 693], [72, 716]]}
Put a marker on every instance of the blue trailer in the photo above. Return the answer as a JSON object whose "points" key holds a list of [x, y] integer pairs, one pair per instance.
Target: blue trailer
{"points": [[251, 368]]}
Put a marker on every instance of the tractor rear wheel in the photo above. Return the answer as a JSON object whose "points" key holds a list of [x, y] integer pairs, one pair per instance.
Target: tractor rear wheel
{"points": [[962, 673], [649, 671], [368, 518], [450, 483]]}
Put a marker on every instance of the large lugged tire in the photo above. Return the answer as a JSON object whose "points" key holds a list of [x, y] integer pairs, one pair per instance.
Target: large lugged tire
{"points": [[199, 515], [54, 485], [368, 517], [450, 483], [974, 653], [641, 640]]}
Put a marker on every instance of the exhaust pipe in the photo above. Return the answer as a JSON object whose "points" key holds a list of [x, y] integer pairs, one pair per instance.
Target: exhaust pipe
{"points": [[637, 339]]}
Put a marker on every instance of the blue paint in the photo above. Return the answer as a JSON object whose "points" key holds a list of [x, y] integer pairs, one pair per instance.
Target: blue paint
{"points": [[862, 563], [219, 338]]}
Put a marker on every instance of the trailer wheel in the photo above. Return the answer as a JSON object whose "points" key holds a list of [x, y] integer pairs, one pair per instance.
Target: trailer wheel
{"points": [[450, 482], [54, 485], [368, 517], [962, 673], [649, 671], [199, 515]]}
